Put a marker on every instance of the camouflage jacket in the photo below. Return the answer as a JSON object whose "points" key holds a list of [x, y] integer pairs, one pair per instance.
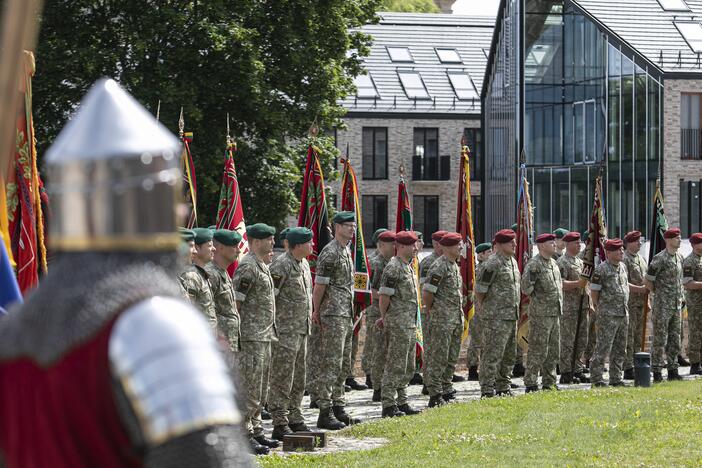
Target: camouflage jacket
{"points": [[197, 286], [293, 294], [541, 280], [499, 281], [636, 266], [665, 272], [425, 264], [613, 284], [225, 306], [570, 269], [253, 288], [377, 265], [400, 283], [445, 282], [335, 269], [692, 271]]}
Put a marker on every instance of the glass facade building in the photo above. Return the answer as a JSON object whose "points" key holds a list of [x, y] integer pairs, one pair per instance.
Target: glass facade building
{"points": [[572, 102]]}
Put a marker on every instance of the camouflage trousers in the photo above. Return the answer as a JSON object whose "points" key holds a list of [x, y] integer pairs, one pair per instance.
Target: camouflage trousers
{"points": [[314, 357], [591, 336], [425, 339], [633, 339], [498, 355], [354, 346], [442, 355], [473, 353], [544, 350], [569, 324], [254, 359], [369, 344], [288, 365], [612, 331], [335, 349], [666, 339], [694, 323], [399, 365], [379, 354]]}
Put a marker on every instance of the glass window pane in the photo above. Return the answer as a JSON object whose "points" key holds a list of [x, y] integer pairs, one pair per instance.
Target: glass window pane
{"points": [[653, 127], [381, 149], [400, 54], [627, 108], [674, 5], [542, 207], [640, 115], [413, 84], [692, 33], [590, 132], [448, 56], [367, 152], [463, 86], [580, 198], [579, 132]]}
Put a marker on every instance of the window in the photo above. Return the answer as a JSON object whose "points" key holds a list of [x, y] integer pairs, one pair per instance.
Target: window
{"points": [[690, 207], [400, 54], [690, 128], [413, 84], [692, 33], [448, 56], [674, 5], [474, 140], [365, 87], [476, 207], [426, 164], [425, 214], [463, 86], [375, 152], [374, 210]]}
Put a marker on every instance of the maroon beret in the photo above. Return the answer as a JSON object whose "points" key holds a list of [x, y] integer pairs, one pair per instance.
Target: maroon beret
{"points": [[696, 238], [450, 238], [541, 238], [387, 236], [614, 244], [571, 236], [438, 235], [671, 233], [504, 235], [632, 236], [406, 237]]}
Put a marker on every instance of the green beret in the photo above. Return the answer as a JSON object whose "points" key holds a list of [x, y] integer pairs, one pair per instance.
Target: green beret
{"points": [[586, 234], [260, 231], [483, 247], [344, 217], [186, 234], [419, 235], [514, 227], [227, 237], [298, 235], [560, 232], [284, 233], [377, 233], [202, 235]]}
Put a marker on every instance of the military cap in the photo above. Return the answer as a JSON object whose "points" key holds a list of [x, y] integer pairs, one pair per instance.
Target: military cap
{"points": [[227, 237], [571, 236], [344, 217], [505, 235], [202, 235], [406, 237], [260, 231], [541, 238], [284, 233], [186, 234], [560, 232], [671, 233], [377, 233], [387, 236], [450, 238], [212, 227], [696, 238], [483, 247], [613, 244], [514, 227], [438, 235], [419, 235], [298, 235], [632, 236], [585, 235]]}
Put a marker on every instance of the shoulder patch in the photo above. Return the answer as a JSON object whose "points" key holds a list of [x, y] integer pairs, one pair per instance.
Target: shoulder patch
{"points": [[277, 279], [688, 271], [391, 281], [487, 276], [435, 280], [653, 269], [596, 277], [244, 285]]}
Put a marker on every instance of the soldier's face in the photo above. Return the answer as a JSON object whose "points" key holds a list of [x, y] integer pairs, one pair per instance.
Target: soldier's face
{"points": [[560, 245], [482, 256], [547, 248], [205, 252], [697, 248], [674, 242], [386, 248], [193, 250], [438, 248], [453, 251], [304, 250], [406, 251], [615, 256], [573, 247], [634, 247], [346, 230], [509, 247]]}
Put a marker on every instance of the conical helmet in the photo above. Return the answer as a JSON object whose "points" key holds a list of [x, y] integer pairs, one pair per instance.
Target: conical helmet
{"points": [[114, 177]]}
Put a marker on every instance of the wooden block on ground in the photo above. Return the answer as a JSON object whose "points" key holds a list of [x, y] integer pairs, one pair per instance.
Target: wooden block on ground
{"points": [[320, 437], [294, 442]]}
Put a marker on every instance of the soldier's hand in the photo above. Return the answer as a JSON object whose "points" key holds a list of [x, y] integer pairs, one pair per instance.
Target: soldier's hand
{"points": [[315, 318], [379, 323]]}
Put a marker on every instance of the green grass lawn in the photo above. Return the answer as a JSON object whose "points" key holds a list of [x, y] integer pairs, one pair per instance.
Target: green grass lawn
{"points": [[657, 426]]}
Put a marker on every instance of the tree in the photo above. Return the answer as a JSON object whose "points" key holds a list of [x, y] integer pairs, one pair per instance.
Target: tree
{"points": [[410, 6], [275, 67]]}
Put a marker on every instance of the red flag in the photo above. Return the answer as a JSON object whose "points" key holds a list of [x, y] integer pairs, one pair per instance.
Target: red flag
{"points": [[230, 214], [597, 234], [525, 240], [464, 226], [350, 202]]}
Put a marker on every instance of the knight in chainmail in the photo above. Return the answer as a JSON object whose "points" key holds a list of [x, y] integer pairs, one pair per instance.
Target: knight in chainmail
{"points": [[106, 364]]}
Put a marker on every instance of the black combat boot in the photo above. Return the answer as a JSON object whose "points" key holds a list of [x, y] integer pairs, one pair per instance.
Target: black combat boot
{"points": [[392, 412], [257, 448], [281, 431], [425, 390], [265, 441], [599, 384], [327, 420], [580, 377], [695, 369], [619, 383], [504, 393], [369, 382], [629, 374], [487, 394], [518, 370], [682, 362], [550, 387], [377, 398], [436, 400], [657, 377], [532, 388], [341, 414], [313, 404], [416, 379], [673, 375], [265, 414], [408, 410], [351, 382], [458, 378], [448, 396], [299, 427], [566, 378], [473, 373]]}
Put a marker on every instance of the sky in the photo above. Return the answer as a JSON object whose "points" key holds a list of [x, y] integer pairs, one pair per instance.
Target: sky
{"points": [[476, 7]]}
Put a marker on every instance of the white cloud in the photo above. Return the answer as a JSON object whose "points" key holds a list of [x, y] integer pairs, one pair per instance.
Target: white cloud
{"points": [[476, 7]]}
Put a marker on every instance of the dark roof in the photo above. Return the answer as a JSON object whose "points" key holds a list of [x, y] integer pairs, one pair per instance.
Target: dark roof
{"points": [[422, 33]]}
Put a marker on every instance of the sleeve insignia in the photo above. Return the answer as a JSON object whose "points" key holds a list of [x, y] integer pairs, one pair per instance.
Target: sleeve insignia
{"points": [[435, 280], [653, 270], [391, 281], [688, 271], [277, 279], [487, 276], [244, 285], [596, 277]]}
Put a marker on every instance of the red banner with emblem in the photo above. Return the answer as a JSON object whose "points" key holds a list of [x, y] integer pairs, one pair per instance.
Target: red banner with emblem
{"points": [[230, 213]]}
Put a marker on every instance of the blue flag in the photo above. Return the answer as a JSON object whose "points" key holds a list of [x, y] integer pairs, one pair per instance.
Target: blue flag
{"points": [[9, 290]]}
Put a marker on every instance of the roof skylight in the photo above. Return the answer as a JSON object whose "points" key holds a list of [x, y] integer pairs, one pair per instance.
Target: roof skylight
{"points": [[413, 84], [400, 54], [463, 86], [365, 87], [448, 55], [674, 5], [692, 33]]}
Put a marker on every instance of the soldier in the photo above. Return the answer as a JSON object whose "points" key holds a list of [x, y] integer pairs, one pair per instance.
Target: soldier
{"points": [[255, 302], [664, 280], [497, 291], [293, 304], [226, 244], [483, 252], [636, 269], [283, 239], [692, 281], [560, 243], [518, 369], [576, 305], [375, 341], [195, 280], [398, 320], [610, 295], [442, 297], [541, 281], [332, 300]]}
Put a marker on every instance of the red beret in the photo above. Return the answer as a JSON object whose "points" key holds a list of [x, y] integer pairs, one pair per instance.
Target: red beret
{"points": [[613, 244], [450, 238], [406, 237], [571, 236], [387, 236], [438, 235], [545, 238], [696, 238], [632, 236], [504, 235], [671, 233]]}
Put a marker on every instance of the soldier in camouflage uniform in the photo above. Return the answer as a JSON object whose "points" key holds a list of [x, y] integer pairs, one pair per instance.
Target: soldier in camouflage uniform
{"points": [[636, 269], [664, 280], [576, 305], [560, 233], [398, 310], [692, 281], [255, 300], [226, 245], [483, 252], [541, 281], [293, 304], [332, 309], [195, 280], [442, 297], [610, 294], [497, 291]]}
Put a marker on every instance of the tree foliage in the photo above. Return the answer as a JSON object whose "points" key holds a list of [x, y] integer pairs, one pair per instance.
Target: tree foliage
{"points": [[410, 6], [274, 66]]}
